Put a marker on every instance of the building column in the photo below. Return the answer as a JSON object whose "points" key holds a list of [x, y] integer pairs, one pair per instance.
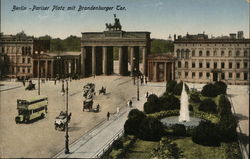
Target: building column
{"points": [[144, 60], [105, 60], [69, 64], [52, 68], [132, 62], [155, 72], [83, 56], [172, 71], [46, 68], [75, 65], [120, 61], [165, 71], [93, 60]]}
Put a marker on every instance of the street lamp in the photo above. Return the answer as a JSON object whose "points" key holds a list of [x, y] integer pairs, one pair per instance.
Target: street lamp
{"points": [[67, 115], [38, 53], [137, 74]]}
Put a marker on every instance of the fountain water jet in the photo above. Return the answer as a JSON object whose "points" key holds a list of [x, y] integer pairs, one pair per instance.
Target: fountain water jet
{"points": [[184, 112]]}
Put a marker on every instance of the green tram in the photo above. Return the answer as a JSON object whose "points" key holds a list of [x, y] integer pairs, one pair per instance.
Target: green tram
{"points": [[29, 109]]}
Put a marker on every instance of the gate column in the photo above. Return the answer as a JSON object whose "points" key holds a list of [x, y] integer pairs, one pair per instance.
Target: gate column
{"points": [[93, 60], [105, 60]]}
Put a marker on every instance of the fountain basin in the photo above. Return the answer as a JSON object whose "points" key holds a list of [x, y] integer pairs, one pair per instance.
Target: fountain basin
{"points": [[170, 121]]}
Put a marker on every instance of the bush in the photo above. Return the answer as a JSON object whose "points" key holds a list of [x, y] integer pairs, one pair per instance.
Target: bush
{"points": [[179, 130], [143, 127], [163, 114], [117, 144], [206, 134], [224, 106], [227, 128], [221, 87], [170, 86], [195, 97], [208, 105], [209, 117], [209, 90], [190, 107], [169, 102], [178, 89], [150, 129], [152, 104]]}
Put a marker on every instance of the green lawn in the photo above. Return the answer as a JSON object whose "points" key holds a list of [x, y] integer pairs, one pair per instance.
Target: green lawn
{"points": [[141, 149], [192, 150]]}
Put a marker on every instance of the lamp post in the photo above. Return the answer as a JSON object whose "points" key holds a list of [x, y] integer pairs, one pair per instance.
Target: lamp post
{"points": [[38, 53], [67, 115]]}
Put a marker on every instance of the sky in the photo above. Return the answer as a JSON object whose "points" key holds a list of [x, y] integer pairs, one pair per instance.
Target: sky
{"points": [[160, 17]]}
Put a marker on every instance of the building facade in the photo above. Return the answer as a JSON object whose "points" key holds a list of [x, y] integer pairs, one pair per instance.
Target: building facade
{"points": [[161, 67], [18, 51], [201, 59]]}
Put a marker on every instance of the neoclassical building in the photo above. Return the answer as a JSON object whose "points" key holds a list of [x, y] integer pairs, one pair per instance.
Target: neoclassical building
{"points": [[161, 67], [18, 51], [201, 59]]}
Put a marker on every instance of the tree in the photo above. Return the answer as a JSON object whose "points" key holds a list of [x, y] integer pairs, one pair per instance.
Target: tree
{"points": [[208, 106], [170, 86], [169, 102], [209, 90], [195, 97], [206, 134], [221, 87], [224, 107], [152, 104], [161, 46]]}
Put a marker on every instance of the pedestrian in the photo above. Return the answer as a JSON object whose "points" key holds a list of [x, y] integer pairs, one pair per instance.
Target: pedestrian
{"points": [[141, 81], [108, 116], [146, 81], [55, 81], [130, 103], [147, 95], [24, 83], [117, 109]]}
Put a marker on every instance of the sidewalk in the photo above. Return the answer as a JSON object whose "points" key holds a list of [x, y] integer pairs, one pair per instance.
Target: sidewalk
{"points": [[91, 145]]}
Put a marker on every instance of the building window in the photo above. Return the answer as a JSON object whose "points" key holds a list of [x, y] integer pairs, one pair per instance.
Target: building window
{"points": [[179, 74], [215, 53], [179, 64], [208, 53], [245, 64], [222, 76], [245, 53], [200, 53], [200, 65], [193, 64], [230, 65], [28, 70], [207, 75], [222, 65], [229, 53], [186, 74], [28, 60], [23, 70], [193, 74], [230, 75], [245, 76], [208, 65], [193, 53], [222, 53], [215, 65], [178, 54], [200, 74], [237, 65], [238, 75], [186, 64], [23, 60], [237, 53]]}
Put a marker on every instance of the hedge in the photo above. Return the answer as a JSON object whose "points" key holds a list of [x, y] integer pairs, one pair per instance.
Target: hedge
{"points": [[163, 114], [206, 116]]}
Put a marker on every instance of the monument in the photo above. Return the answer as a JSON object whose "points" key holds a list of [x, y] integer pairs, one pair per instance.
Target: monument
{"points": [[97, 50]]}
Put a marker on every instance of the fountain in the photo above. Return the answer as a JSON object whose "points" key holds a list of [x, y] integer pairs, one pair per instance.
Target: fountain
{"points": [[184, 112], [184, 117]]}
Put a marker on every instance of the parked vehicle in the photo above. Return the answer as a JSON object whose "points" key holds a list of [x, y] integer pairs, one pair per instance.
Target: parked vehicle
{"points": [[61, 120]]}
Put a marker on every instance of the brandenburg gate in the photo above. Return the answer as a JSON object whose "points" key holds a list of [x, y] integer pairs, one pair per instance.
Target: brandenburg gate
{"points": [[97, 51]]}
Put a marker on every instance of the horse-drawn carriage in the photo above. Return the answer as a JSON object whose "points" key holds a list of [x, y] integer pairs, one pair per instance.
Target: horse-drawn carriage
{"points": [[61, 120], [89, 88]]}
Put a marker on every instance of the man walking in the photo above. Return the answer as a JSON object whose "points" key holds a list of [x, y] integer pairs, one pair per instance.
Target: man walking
{"points": [[108, 116]]}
